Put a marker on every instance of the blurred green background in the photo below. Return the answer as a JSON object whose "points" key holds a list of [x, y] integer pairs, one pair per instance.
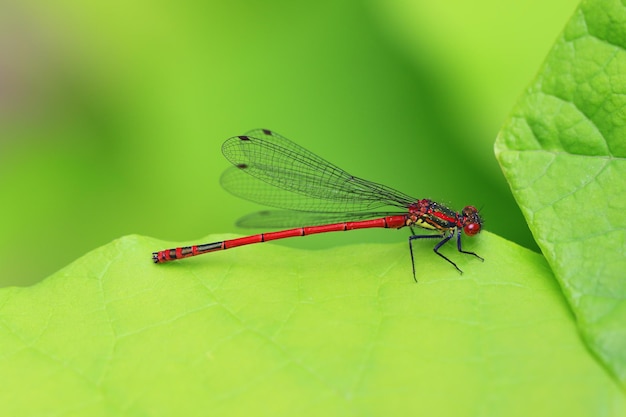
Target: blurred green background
{"points": [[112, 113]]}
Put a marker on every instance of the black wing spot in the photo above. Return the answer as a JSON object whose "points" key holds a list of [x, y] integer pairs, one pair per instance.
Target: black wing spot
{"points": [[268, 132], [244, 138]]}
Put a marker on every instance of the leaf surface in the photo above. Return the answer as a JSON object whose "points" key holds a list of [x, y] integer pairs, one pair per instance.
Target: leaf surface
{"points": [[269, 330], [563, 152]]}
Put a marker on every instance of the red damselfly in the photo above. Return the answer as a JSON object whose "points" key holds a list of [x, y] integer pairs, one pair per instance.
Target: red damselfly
{"points": [[271, 170]]}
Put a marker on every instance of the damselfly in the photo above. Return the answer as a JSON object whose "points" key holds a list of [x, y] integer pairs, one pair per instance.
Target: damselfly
{"points": [[272, 170]]}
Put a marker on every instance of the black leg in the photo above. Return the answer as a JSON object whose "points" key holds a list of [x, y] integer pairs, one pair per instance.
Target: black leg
{"points": [[444, 240], [458, 245], [440, 244]]}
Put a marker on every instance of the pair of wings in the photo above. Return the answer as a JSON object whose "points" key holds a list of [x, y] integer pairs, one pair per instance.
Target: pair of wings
{"points": [[271, 170]]}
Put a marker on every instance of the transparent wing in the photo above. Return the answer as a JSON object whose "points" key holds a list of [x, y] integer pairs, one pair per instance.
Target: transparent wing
{"points": [[275, 219], [272, 170]]}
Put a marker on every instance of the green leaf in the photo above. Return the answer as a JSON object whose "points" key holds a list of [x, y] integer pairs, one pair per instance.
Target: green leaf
{"points": [[563, 152], [269, 330]]}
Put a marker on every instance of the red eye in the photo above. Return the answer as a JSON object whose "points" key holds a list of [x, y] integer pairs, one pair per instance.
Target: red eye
{"points": [[472, 229]]}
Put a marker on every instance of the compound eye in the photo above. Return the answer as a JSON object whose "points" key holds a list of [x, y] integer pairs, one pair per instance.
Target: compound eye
{"points": [[472, 229], [470, 210]]}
